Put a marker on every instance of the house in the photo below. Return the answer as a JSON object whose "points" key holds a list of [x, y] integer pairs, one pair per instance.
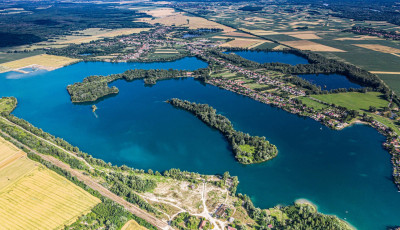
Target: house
{"points": [[231, 228], [220, 211], [202, 224]]}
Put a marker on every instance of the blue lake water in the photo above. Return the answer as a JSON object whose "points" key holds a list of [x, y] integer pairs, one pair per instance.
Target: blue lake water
{"points": [[269, 57], [346, 173], [329, 81], [325, 81]]}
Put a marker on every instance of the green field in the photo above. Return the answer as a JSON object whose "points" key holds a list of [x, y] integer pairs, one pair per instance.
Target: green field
{"points": [[7, 104], [393, 80], [354, 100], [311, 103], [247, 148], [7, 57]]}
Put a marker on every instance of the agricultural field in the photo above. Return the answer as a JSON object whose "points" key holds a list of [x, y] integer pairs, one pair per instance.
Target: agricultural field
{"points": [[312, 103], [354, 100], [243, 43], [7, 57], [42, 61], [34, 197], [132, 225], [94, 34], [312, 28], [169, 17]]}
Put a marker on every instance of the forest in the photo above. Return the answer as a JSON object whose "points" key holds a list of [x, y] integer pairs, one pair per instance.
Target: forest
{"points": [[42, 21], [247, 149], [299, 216], [93, 88]]}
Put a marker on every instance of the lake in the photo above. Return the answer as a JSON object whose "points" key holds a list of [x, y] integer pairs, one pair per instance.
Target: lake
{"points": [[325, 81], [329, 81], [346, 173], [270, 57]]}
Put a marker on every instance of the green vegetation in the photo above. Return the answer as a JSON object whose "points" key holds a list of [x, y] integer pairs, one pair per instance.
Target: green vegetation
{"points": [[40, 21], [354, 100], [184, 221], [7, 104], [312, 103], [93, 88], [106, 215], [247, 149], [297, 216], [124, 180]]}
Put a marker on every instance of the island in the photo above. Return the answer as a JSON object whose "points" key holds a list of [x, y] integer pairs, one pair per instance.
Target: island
{"points": [[247, 149], [93, 88]]}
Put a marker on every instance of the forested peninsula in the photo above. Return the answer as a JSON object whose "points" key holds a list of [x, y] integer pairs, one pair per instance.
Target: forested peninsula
{"points": [[93, 88], [247, 149]]}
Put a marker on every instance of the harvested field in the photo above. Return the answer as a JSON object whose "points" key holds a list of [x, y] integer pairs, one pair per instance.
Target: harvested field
{"points": [[34, 197], [383, 72], [42, 61], [379, 48], [169, 17], [358, 38], [260, 32], [238, 34], [312, 46], [132, 225], [109, 34], [244, 43], [303, 35]]}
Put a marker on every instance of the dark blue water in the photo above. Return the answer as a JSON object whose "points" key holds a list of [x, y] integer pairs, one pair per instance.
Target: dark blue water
{"points": [[330, 81], [269, 57], [190, 36], [346, 173]]}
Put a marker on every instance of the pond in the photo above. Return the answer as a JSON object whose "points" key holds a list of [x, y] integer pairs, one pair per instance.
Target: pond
{"points": [[270, 57]]}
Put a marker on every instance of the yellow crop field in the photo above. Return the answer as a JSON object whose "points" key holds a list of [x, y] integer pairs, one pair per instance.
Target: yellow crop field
{"points": [[34, 197], [104, 34], [303, 35], [312, 46], [243, 43], [42, 61], [132, 225], [379, 48], [170, 17]]}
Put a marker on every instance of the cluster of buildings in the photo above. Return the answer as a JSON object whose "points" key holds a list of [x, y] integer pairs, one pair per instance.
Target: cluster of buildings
{"points": [[261, 79], [374, 32]]}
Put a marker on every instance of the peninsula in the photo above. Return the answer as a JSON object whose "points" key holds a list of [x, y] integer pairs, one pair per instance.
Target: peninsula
{"points": [[93, 88], [247, 149]]}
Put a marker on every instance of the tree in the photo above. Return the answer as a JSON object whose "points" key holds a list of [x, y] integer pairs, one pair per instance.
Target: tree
{"points": [[372, 109]]}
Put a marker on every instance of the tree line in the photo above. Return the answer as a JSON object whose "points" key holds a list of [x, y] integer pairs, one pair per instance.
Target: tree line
{"points": [[247, 149], [93, 88], [297, 216]]}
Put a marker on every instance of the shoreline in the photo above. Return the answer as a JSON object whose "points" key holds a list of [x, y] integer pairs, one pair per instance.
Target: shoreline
{"points": [[304, 201]]}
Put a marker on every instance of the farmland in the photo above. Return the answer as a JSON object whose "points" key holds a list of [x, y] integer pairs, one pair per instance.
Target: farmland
{"points": [[132, 225], [32, 196], [42, 61], [314, 28], [354, 100]]}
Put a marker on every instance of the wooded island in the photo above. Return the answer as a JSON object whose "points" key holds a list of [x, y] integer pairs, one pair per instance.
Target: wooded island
{"points": [[247, 149]]}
